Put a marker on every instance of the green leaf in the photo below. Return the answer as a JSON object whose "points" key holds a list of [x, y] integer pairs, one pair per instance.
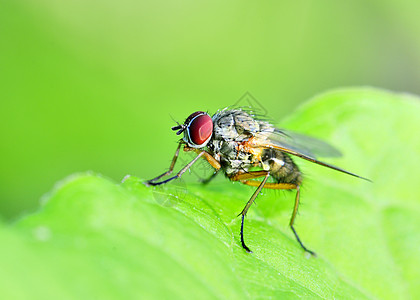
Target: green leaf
{"points": [[94, 238]]}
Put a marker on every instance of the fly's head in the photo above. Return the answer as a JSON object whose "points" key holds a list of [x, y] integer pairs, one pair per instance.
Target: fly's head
{"points": [[197, 129]]}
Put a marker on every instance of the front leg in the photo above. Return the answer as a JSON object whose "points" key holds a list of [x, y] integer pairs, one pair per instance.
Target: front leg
{"points": [[179, 174], [207, 156], [171, 167], [200, 153]]}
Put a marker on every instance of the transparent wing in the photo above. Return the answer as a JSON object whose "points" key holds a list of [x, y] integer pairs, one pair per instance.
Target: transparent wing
{"points": [[298, 142], [268, 136], [302, 143], [298, 145]]}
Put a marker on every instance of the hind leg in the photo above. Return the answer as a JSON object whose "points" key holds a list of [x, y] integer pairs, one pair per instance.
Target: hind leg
{"points": [[281, 186]]}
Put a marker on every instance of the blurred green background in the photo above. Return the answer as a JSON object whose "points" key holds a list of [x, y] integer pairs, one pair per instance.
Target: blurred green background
{"points": [[92, 85]]}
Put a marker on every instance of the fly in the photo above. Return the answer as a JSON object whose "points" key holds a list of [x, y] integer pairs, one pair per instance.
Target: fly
{"points": [[245, 148]]}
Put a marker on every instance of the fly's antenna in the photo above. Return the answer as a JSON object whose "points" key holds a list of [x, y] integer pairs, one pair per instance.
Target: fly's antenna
{"points": [[179, 127]]}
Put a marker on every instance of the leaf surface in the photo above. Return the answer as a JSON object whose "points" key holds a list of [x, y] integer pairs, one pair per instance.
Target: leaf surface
{"points": [[94, 238]]}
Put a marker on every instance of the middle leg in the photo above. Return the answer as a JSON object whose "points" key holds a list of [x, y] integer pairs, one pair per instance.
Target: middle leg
{"points": [[285, 186], [241, 177]]}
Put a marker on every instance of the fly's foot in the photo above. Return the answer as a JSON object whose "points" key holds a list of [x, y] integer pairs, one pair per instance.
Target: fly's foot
{"points": [[301, 244]]}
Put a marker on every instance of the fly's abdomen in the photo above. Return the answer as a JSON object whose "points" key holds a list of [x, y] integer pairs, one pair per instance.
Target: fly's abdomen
{"points": [[281, 166]]}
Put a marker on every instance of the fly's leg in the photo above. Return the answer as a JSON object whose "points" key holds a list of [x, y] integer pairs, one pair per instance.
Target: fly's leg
{"points": [[212, 161], [248, 175], [285, 186], [292, 221], [207, 156], [179, 174], [171, 167], [251, 200]]}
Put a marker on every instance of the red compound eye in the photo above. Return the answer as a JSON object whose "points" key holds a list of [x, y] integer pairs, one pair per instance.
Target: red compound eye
{"points": [[200, 127]]}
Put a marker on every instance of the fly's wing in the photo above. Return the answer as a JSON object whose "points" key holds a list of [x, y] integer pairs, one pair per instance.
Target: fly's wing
{"points": [[304, 144], [298, 145], [301, 143]]}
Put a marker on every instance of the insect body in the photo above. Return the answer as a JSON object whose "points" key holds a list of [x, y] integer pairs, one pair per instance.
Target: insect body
{"points": [[246, 148], [231, 145]]}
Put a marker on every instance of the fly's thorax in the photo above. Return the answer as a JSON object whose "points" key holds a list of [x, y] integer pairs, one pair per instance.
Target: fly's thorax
{"points": [[281, 166], [236, 125]]}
